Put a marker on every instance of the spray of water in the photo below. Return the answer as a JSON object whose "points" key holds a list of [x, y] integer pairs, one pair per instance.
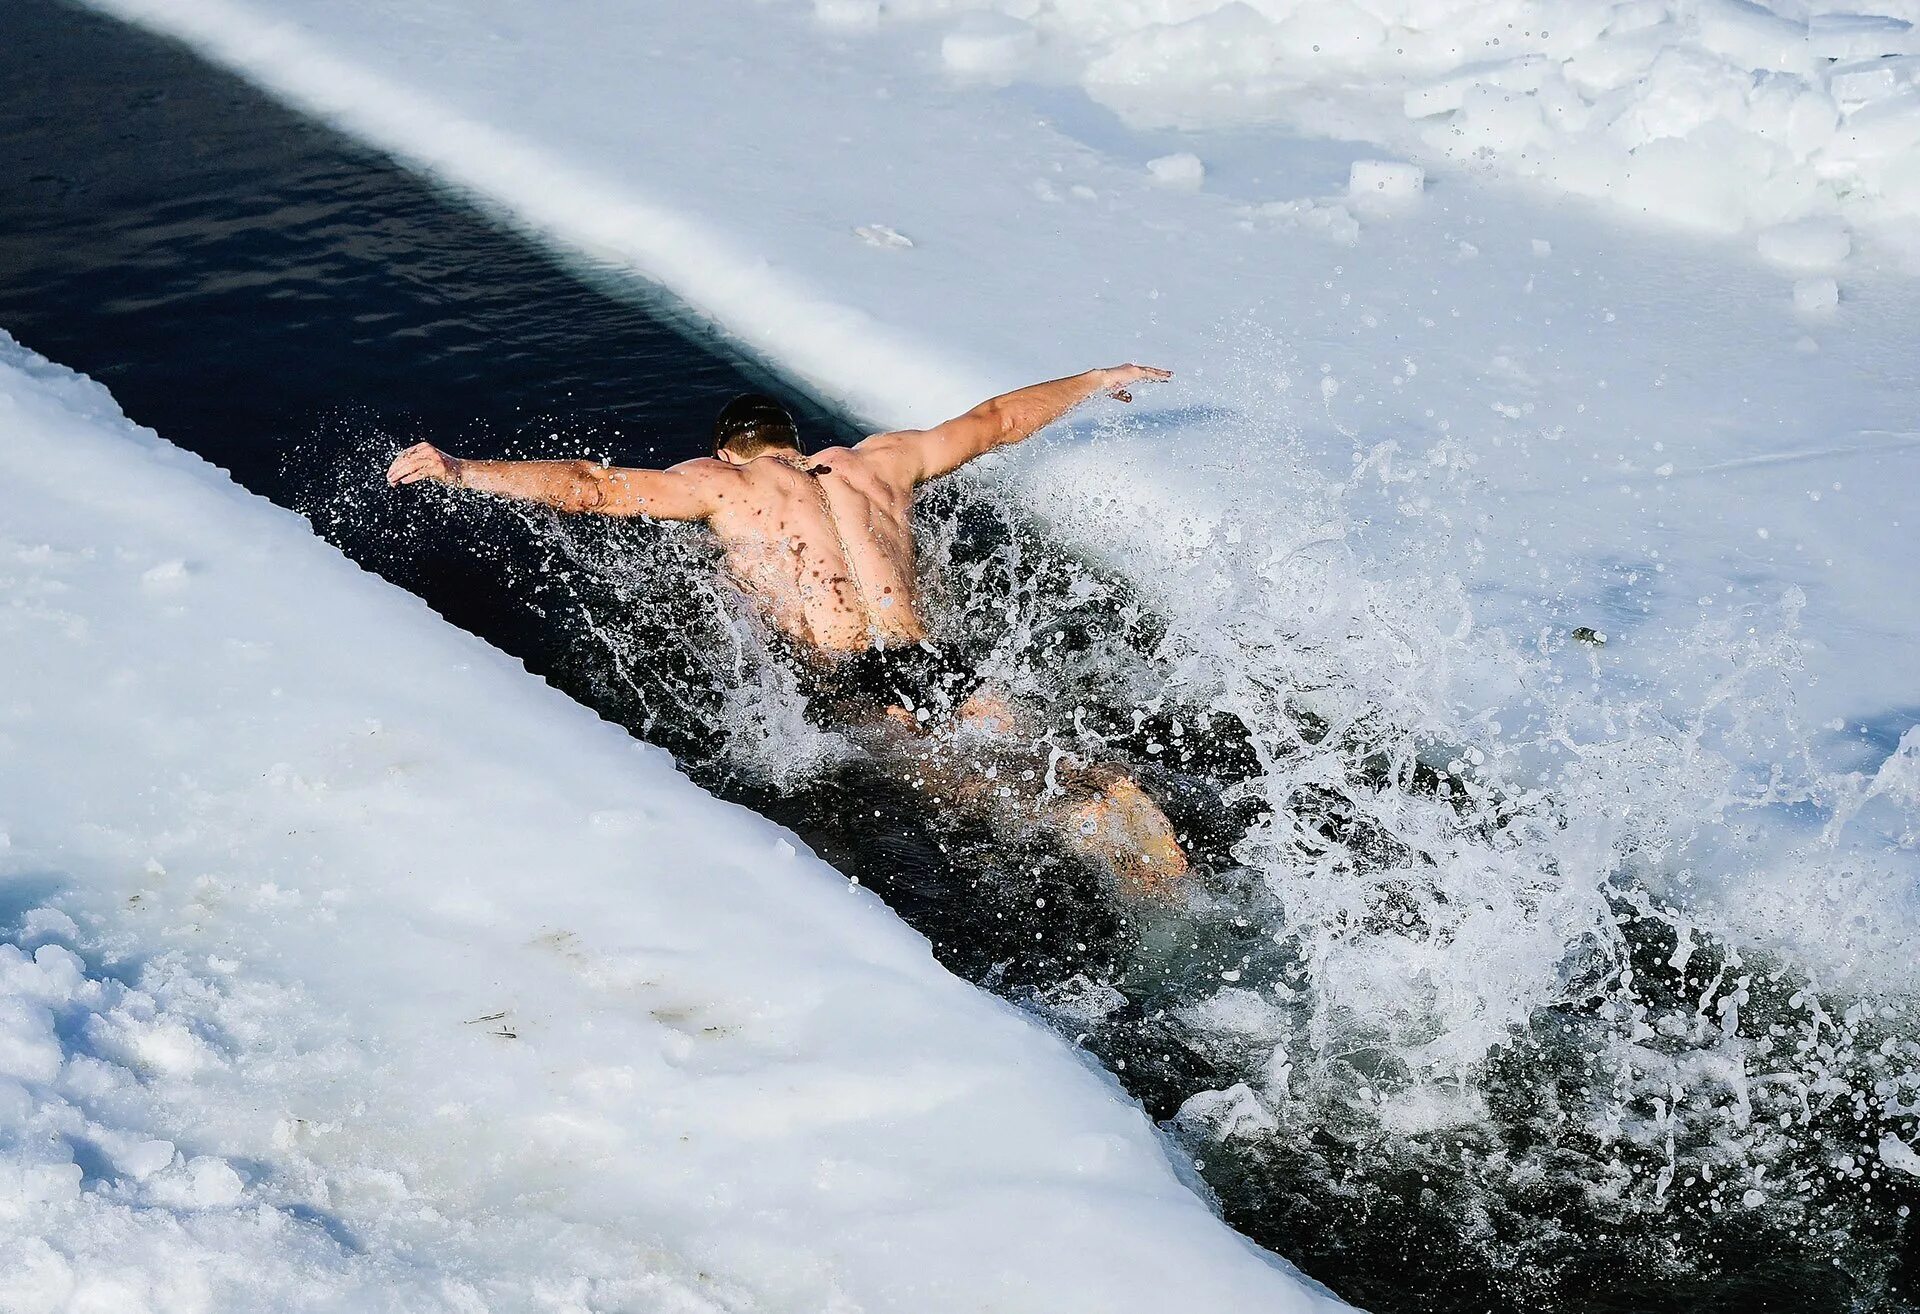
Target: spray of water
{"points": [[1495, 986]]}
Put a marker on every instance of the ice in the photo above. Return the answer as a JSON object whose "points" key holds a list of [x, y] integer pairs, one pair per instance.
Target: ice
{"points": [[1182, 171], [1896, 1153], [1856, 84], [1860, 36], [989, 46], [1568, 96], [1753, 36], [1882, 130], [203, 1182], [1387, 488], [1816, 296], [1808, 244]]}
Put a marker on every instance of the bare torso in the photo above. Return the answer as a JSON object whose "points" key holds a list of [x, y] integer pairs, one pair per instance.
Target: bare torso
{"points": [[824, 546]]}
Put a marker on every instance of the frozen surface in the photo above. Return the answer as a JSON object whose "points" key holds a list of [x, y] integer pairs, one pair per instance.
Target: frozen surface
{"points": [[1711, 114], [1579, 473], [348, 967]]}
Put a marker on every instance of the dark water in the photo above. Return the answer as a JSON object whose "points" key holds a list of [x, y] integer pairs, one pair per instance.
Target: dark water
{"points": [[296, 309]]}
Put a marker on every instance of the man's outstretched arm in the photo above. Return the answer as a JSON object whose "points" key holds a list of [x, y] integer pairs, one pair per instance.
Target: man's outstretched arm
{"points": [[1009, 418], [686, 492]]}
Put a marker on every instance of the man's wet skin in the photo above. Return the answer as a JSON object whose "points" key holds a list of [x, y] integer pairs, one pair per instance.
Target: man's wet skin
{"points": [[823, 547]]}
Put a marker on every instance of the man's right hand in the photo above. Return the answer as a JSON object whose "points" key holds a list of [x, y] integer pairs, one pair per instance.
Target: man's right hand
{"points": [[424, 461], [1117, 379]]}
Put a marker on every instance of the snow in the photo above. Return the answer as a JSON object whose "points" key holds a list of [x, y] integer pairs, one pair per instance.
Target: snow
{"points": [[1815, 296], [1808, 244], [376, 975], [1594, 373], [1384, 182], [1721, 115]]}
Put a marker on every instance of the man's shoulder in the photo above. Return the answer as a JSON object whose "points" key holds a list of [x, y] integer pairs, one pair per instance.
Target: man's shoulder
{"points": [[704, 467], [880, 457]]}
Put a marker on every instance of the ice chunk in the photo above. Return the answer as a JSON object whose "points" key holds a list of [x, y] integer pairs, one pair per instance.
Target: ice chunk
{"points": [[26, 1184], [1896, 1153], [29, 1049], [203, 1182], [991, 46], [45, 923], [1385, 182], [143, 1159], [1808, 244], [1751, 37], [1883, 128], [1816, 296], [1228, 1114], [1872, 79], [1180, 170], [1859, 36]]}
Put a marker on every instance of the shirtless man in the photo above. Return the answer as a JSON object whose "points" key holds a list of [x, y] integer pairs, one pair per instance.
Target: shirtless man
{"points": [[823, 546]]}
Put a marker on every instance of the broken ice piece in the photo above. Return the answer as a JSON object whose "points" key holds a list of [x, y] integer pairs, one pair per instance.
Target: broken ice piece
{"points": [[1181, 170]]}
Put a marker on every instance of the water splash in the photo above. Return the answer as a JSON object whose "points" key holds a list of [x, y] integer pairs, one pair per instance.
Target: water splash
{"points": [[1495, 988]]}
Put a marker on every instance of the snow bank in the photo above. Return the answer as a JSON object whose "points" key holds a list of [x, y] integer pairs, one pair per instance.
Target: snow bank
{"points": [[1719, 115], [348, 967]]}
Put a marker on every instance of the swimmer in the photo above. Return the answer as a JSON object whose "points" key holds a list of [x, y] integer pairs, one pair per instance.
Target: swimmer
{"points": [[823, 546]]}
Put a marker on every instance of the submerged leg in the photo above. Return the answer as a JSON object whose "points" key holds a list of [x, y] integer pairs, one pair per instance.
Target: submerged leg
{"points": [[1124, 830], [1103, 814]]}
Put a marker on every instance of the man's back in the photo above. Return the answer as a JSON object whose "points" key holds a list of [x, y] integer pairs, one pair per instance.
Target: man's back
{"points": [[823, 544]]}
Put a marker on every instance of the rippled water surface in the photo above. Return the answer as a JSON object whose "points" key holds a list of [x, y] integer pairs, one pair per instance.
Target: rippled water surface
{"points": [[1429, 1028]]}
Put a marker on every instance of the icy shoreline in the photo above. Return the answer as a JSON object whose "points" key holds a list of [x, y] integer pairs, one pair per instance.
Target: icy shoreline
{"points": [[377, 974]]}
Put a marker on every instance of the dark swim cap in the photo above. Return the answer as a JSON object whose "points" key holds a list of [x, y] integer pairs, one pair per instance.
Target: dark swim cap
{"points": [[754, 423]]}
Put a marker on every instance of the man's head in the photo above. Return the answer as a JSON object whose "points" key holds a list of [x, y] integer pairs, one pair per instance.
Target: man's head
{"points": [[751, 425]]}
